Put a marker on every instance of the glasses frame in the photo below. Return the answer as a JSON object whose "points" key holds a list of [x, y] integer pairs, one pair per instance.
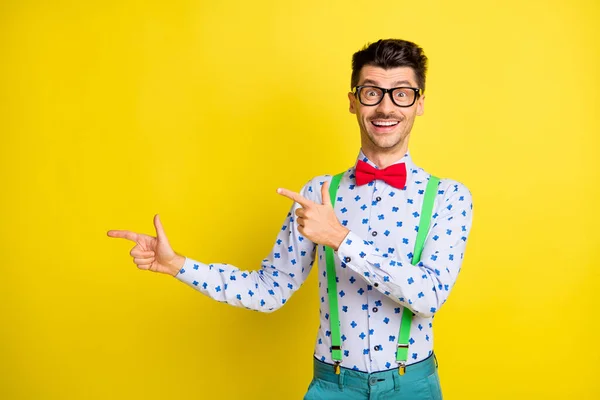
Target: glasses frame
{"points": [[358, 88]]}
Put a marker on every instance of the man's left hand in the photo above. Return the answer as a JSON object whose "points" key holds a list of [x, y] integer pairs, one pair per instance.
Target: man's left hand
{"points": [[317, 222]]}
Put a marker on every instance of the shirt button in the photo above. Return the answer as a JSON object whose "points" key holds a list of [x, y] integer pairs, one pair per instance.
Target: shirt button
{"points": [[376, 284], [347, 259], [374, 233], [377, 348], [378, 198], [375, 309]]}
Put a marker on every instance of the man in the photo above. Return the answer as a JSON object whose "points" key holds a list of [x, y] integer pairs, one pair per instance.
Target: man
{"points": [[372, 231]]}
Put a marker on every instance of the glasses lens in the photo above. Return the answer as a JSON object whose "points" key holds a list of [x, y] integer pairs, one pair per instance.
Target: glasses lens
{"points": [[369, 95], [404, 96]]}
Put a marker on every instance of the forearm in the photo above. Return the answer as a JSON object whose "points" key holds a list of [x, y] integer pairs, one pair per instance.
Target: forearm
{"points": [[414, 287], [259, 290], [423, 287]]}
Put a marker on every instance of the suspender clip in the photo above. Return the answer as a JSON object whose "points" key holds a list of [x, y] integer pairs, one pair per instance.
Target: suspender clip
{"points": [[401, 368], [336, 367]]}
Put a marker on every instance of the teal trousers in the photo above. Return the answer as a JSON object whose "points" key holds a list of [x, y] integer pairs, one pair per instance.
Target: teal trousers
{"points": [[420, 382]]}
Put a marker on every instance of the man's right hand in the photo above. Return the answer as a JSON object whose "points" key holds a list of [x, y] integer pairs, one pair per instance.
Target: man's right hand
{"points": [[152, 253]]}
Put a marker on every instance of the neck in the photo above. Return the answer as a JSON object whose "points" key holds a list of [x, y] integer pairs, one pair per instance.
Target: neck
{"points": [[383, 158]]}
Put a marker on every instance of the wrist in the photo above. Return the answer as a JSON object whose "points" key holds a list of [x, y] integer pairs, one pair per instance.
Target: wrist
{"points": [[339, 238], [176, 264]]}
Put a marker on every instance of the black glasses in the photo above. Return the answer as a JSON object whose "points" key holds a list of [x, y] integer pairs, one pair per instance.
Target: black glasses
{"points": [[373, 95]]}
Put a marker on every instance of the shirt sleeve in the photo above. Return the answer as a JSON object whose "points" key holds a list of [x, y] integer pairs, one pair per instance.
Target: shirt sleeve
{"points": [[268, 288], [424, 287]]}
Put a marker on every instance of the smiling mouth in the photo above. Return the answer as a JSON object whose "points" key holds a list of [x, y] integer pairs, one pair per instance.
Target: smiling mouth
{"points": [[384, 124]]}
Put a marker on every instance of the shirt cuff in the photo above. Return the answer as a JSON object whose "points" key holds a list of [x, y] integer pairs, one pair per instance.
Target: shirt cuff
{"points": [[191, 272], [352, 250], [354, 253]]}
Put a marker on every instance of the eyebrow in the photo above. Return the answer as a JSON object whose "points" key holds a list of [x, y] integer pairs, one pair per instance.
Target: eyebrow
{"points": [[395, 84]]}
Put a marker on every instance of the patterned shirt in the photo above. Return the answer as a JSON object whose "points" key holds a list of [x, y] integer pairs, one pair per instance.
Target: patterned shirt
{"points": [[376, 280]]}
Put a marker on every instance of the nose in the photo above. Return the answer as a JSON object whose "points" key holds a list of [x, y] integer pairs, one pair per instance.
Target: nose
{"points": [[386, 105]]}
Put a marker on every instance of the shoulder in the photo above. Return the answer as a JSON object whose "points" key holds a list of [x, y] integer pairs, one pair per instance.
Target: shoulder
{"points": [[452, 188], [454, 197], [448, 189]]}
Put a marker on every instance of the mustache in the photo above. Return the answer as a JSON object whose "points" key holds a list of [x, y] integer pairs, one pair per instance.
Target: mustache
{"points": [[384, 116]]}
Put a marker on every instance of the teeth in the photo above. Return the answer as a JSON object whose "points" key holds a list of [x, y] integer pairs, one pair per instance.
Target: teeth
{"points": [[385, 123]]}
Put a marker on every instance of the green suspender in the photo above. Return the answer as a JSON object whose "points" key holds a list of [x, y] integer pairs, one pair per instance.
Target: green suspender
{"points": [[334, 318], [424, 222]]}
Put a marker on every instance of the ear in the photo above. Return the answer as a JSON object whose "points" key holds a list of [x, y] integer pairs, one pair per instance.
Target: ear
{"points": [[421, 105], [352, 102]]}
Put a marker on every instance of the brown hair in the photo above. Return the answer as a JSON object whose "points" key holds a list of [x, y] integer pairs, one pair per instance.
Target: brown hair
{"points": [[390, 53]]}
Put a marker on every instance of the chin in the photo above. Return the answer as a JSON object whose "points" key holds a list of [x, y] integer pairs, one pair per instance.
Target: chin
{"points": [[388, 146], [386, 143]]}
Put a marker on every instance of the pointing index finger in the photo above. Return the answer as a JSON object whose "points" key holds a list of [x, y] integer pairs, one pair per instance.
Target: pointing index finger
{"points": [[304, 202], [123, 234]]}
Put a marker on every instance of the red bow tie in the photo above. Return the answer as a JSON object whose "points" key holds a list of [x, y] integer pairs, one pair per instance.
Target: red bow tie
{"points": [[394, 175]]}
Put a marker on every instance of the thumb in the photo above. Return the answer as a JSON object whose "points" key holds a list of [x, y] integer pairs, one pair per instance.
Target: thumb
{"points": [[160, 232], [325, 193]]}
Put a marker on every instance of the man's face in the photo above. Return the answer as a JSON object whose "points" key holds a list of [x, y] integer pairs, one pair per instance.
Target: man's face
{"points": [[385, 127]]}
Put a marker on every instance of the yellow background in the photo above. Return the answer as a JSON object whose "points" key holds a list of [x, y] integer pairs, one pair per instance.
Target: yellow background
{"points": [[112, 111]]}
